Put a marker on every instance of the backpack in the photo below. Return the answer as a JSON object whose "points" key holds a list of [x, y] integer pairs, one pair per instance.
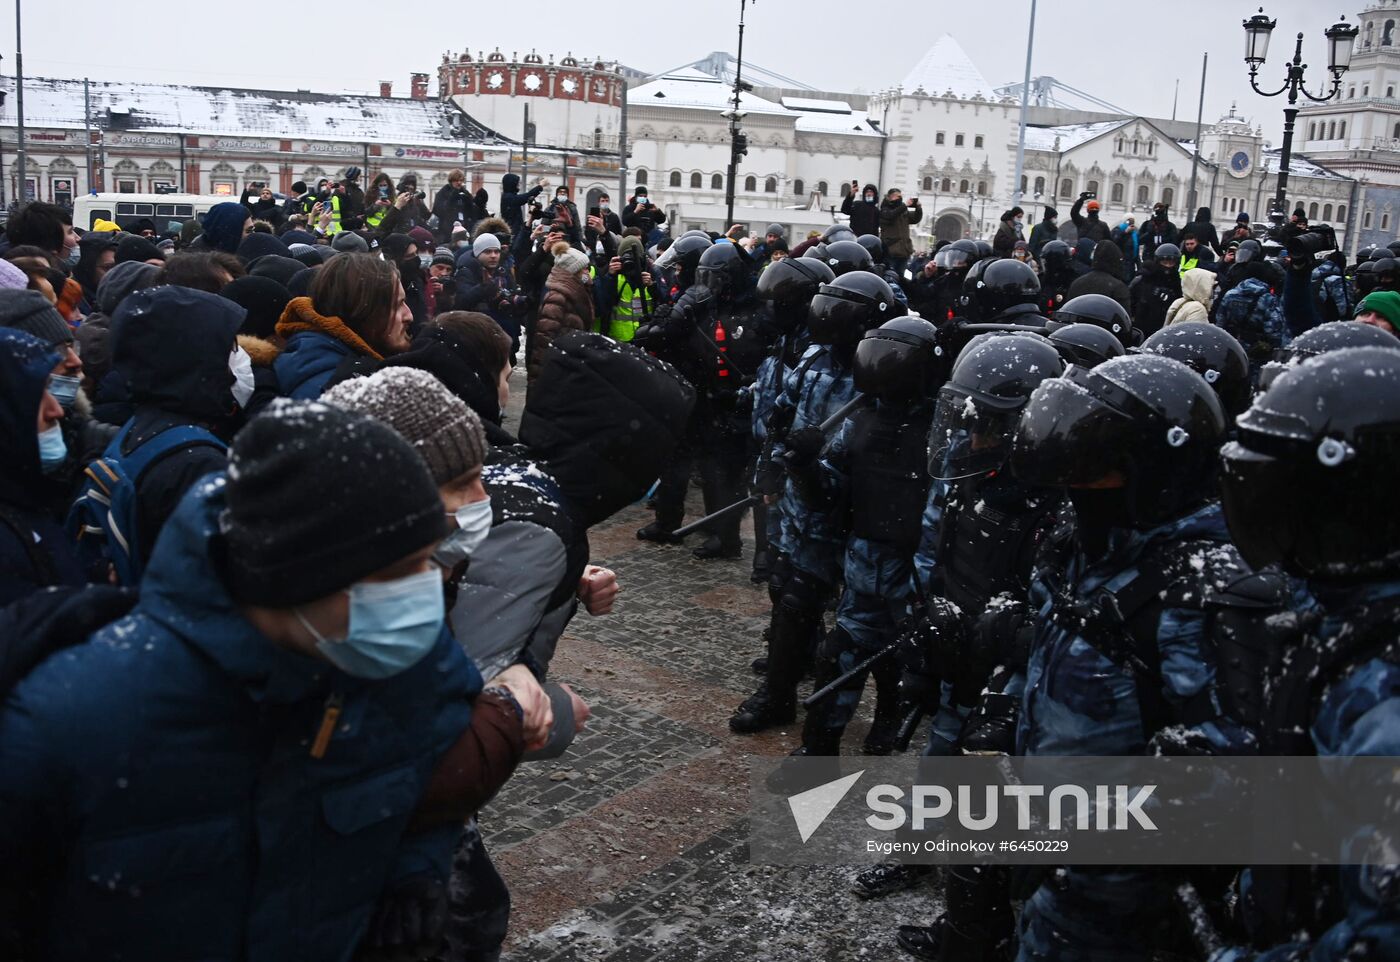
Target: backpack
{"points": [[102, 521]]}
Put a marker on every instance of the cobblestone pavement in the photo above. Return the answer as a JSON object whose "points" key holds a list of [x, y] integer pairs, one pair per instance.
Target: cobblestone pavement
{"points": [[633, 846]]}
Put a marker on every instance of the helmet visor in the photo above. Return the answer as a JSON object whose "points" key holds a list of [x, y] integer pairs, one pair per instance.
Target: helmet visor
{"points": [[838, 317], [1256, 493], [968, 439], [1066, 436], [955, 259], [885, 367]]}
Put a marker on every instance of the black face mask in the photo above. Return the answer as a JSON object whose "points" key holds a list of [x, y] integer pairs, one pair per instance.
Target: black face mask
{"points": [[410, 270], [1097, 512]]}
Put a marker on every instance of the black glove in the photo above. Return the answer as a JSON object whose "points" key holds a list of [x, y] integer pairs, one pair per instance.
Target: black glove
{"points": [[920, 684], [768, 479], [803, 446], [408, 922]]}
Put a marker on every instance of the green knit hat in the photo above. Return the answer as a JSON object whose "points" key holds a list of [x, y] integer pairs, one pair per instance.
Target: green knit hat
{"points": [[1384, 303]]}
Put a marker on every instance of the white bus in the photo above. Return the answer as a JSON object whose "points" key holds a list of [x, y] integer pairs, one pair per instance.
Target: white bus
{"points": [[168, 212]]}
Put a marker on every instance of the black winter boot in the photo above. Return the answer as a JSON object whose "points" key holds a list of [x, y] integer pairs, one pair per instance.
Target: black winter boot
{"points": [[885, 728]]}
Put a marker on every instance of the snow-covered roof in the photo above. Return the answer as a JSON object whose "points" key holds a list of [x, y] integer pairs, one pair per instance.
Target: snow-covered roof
{"points": [[946, 66], [851, 122], [1071, 135], [689, 87], [820, 106], [1298, 165], [227, 111]]}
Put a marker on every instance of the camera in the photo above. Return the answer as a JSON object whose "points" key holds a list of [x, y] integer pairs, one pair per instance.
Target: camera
{"points": [[1303, 248]]}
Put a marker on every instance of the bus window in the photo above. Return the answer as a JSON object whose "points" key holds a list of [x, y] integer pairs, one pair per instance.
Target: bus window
{"points": [[165, 210], [99, 215], [184, 210], [125, 207], [145, 210]]}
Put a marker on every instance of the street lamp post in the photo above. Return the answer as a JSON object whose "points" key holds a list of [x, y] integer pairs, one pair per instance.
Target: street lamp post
{"points": [[738, 142], [1340, 37]]}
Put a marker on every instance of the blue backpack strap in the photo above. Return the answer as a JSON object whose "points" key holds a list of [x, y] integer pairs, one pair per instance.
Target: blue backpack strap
{"points": [[149, 452]]}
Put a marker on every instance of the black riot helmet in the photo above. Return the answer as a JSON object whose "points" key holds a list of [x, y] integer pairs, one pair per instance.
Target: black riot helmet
{"points": [[1249, 250], [697, 232], [837, 232], [817, 251], [872, 244], [984, 249], [1172, 253], [1087, 345], [1323, 339], [1150, 419], [1380, 253], [844, 256], [1214, 354], [1385, 273], [1364, 279], [899, 361], [957, 256], [688, 248], [992, 379], [1097, 309], [1367, 253], [1311, 480], [1003, 284], [723, 268], [1056, 255], [845, 309], [790, 284]]}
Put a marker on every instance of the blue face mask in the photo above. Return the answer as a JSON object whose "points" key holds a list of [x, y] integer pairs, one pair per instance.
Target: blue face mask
{"points": [[64, 389], [393, 624], [473, 525], [53, 450]]}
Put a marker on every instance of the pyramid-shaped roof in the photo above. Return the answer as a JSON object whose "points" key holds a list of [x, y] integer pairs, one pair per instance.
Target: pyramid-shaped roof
{"points": [[946, 66]]}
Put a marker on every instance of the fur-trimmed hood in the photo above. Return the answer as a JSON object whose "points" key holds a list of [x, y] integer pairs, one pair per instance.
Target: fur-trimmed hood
{"points": [[491, 225], [263, 352]]}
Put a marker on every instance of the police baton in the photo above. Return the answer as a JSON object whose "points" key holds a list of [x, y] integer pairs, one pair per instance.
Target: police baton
{"points": [[849, 676], [721, 513], [1198, 922], [841, 415]]}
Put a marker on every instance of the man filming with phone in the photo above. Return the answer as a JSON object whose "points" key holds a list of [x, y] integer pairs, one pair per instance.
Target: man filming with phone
{"points": [[1090, 226], [642, 214]]}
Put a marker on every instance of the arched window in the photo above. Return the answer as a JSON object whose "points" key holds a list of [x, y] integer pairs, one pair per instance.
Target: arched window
{"points": [[675, 178], [939, 138], [1312, 211], [799, 189], [1366, 220], [962, 187], [1312, 131], [1066, 187], [1332, 130], [977, 141], [1115, 194], [641, 175], [957, 140], [1396, 132], [1136, 144], [981, 187], [928, 183], [1023, 183], [1142, 192], [1342, 130], [1118, 145], [716, 182], [750, 184], [821, 187], [1093, 187], [948, 181], [1390, 91], [1040, 185], [1326, 211], [1369, 35], [770, 185], [1342, 212], [1151, 147], [1167, 195], [1385, 221], [845, 188], [696, 180], [1387, 33], [1365, 90]]}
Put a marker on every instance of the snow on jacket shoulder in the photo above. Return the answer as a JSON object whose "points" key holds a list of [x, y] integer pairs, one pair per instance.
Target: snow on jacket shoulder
{"points": [[169, 760]]}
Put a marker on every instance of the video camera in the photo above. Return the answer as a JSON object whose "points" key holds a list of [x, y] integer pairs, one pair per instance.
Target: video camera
{"points": [[1304, 248]]}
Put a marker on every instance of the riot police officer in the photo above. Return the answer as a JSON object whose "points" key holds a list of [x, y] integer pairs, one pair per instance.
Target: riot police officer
{"points": [[875, 462], [1333, 336], [1154, 289], [1318, 448], [1212, 353], [1134, 442], [1056, 274], [1087, 345], [1099, 310], [1005, 291], [788, 286], [813, 536]]}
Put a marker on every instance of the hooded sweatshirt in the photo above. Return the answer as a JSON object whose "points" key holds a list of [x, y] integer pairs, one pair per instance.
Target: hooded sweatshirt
{"points": [[1197, 291], [865, 215], [1105, 275], [94, 334], [512, 201]]}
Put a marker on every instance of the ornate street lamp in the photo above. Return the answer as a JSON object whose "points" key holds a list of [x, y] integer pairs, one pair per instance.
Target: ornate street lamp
{"points": [[1257, 30]]}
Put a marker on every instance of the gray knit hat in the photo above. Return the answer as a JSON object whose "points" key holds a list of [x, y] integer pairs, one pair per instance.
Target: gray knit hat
{"points": [[776, 230], [31, 312], [348, 242], [572, 260], [435, 421]]}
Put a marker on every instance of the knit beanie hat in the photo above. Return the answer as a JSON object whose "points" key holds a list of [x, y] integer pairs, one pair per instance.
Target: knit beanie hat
{"points": [[350, 242], [1243, 218], [443, 255], [424, 412], [776, 230], [306, 253], [571, 259], [423, 238], [1384, 303], [134, 247], [31, 312], [484, 243], [263, 298], [12, 278], [319, 498]]}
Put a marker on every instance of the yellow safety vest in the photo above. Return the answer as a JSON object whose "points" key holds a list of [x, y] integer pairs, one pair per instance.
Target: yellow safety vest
{"points": [[377, 217], [631, 305], [334, 227]]}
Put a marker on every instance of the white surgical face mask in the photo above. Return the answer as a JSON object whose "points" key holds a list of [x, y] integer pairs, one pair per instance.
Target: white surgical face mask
{"points": [[242, 367], [64, 389], [473, 525]]}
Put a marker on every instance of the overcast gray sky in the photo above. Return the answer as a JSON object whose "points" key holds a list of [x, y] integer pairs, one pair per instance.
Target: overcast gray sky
{"points": [[1129, 52]]}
